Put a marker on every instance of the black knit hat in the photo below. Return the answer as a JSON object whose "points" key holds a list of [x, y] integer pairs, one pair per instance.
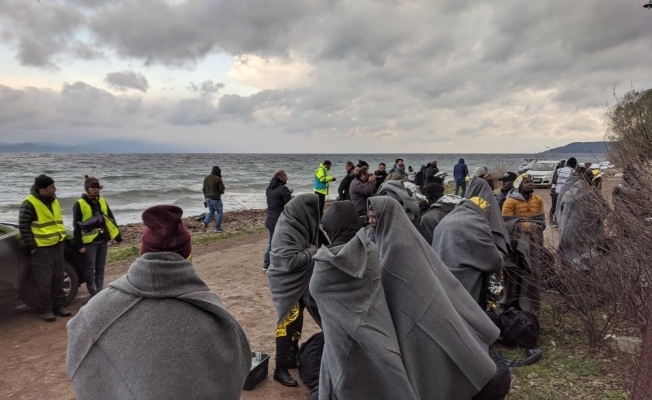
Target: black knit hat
{"points": [[42, 181]]}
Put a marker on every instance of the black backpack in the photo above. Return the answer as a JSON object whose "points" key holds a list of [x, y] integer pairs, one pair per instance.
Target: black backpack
{"points": [[519, 328], [309, 360]]}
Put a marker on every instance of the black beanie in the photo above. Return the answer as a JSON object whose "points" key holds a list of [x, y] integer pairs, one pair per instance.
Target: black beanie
{"points": [[42, 181], [571, 162]]}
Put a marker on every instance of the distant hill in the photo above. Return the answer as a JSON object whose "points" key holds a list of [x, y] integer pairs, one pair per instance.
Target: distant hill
{"points": [[106, 146], [581, 148]]}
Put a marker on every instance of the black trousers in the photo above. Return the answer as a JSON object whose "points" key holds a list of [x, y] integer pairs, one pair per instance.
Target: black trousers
{"points": [[322, 201], [553, 207], [288, 334], [46, 269]]}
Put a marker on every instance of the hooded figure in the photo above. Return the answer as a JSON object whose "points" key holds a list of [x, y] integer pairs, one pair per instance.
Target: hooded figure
{"points": [[341, 223], [158, 332], [480, 188], [434, 214], [362, 358], [581, 213], [464, 243], [443, 335], [397, 191], [573, 178], [294, 243], [213, 191]]}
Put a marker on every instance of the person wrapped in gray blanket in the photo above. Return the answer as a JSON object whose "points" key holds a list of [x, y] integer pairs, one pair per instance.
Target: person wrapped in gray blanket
{"points": [[294, 242], [439, 206], [443, 335], [397, 191], [480, 188], [464, 243]]}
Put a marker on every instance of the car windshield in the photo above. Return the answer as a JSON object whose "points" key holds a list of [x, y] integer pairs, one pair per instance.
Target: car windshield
{"points": [[543, 166]]}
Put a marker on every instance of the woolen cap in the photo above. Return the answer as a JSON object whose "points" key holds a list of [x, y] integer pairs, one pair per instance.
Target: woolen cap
{"points": [[42, 181], [165, 231]]}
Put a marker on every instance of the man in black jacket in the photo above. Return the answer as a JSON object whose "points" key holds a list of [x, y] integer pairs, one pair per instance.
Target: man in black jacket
{"points": [[278, 195], [213, 191], [508, 183], [343, 189], [42, 230]]}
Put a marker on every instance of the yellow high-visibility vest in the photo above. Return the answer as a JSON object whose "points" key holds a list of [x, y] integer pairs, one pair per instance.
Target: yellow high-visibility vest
{"points": [[87, 213], [48, 228]]}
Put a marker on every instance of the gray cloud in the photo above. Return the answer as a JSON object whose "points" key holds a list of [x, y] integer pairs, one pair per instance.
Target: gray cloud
{"points": [[85, 51], [125, 80], [207, 89]]}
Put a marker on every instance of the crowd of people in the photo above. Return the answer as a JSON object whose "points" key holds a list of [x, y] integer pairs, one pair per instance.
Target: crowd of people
{"points": [[399, 276]]}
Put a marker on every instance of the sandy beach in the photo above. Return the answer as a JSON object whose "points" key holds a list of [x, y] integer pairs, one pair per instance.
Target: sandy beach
{"points": [[33, 353]]}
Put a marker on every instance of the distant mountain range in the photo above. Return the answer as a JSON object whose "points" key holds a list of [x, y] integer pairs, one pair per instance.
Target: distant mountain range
{"points": [[581, 148], [105, 146]]}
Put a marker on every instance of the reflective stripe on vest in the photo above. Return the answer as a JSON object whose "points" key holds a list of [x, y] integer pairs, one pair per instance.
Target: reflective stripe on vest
{"points": [[87, 213], [48, 228]]}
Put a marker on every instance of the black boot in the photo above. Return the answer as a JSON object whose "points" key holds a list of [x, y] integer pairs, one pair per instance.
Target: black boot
{"points": [[283, 355], [283, 376]]}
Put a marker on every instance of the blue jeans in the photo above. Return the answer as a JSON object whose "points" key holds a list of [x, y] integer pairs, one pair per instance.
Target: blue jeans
{"points": [[266, 261], [460, 184], [95, 262], [214, 208]]}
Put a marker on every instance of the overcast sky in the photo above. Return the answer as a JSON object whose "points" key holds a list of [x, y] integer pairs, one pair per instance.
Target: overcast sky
{"points": [[440, 76]]}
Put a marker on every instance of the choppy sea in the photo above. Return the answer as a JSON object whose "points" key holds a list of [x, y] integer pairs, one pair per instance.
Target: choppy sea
{"points": [[134, 182]]}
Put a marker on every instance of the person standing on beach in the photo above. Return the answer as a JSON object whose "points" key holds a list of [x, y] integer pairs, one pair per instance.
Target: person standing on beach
{"points": [[322, 179], [213, 191], [396, 163], [93, 226], [553, 193], [41, 227], [460, 171], [362, 188], [380, 174], [278, 195], [508, 184], [343, 189]]}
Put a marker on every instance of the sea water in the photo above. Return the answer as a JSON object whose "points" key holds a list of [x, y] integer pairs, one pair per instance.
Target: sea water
{"points": [[134, 182]]}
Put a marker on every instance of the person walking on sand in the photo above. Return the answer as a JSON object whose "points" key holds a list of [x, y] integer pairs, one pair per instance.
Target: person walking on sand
{"points": [[213, 191], [460, 171], [278, 195], [158, 332], [322, 179], [41, 227], [343, 189], [93, 226]]}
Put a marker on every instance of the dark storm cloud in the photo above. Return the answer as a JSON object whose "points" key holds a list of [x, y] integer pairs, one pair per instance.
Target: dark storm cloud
{"points": [[125, 80], [39, 31]]}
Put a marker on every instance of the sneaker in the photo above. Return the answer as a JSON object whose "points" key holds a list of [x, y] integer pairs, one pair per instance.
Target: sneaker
{"points": [[62, 312], [218, 230], [48, 317]]}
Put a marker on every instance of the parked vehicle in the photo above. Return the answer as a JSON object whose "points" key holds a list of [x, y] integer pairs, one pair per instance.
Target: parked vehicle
{"points": [[527, 164], [15, 285], [542, 172]]}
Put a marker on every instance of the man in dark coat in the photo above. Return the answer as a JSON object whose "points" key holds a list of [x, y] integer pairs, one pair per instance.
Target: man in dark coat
{"points": [[278, 195], [362, 188], [508, 183], [343, 189], [158, 332], [295, 241], [460, 171], [380, 174], [213, 191]]}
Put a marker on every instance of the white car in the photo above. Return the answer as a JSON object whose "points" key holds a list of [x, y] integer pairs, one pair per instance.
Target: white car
{"points": [[542, 172]]}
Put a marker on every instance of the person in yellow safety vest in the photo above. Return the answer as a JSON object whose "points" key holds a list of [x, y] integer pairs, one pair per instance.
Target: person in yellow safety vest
{"points": [[321, 183], [94, 226], [42, 230]]}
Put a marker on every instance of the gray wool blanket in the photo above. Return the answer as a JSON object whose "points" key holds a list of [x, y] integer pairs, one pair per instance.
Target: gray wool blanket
{"points": [[158, 333], [443, 334], [362, 358], [464, 243], [397, 191], [526, 293], [582, 210], [480, 188], [570, 182], [291, 256]]}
